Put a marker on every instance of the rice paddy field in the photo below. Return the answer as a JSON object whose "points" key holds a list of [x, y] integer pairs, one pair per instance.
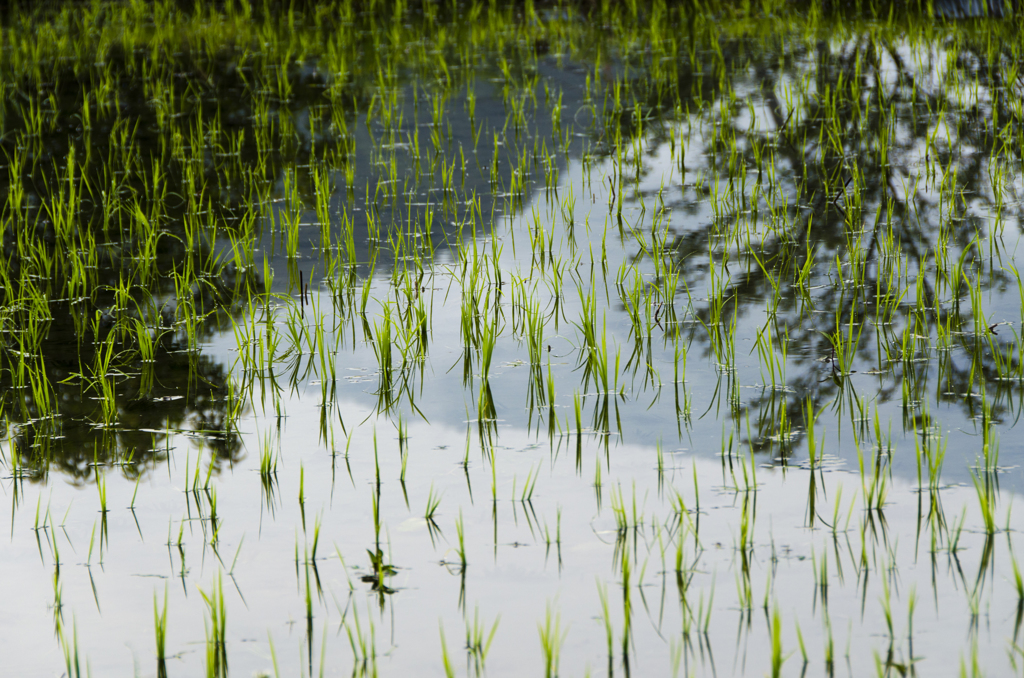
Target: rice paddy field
{"points": [[461, 338]]}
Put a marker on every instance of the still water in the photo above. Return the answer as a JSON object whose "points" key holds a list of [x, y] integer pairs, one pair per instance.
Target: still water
{"points": [[463, 340]]}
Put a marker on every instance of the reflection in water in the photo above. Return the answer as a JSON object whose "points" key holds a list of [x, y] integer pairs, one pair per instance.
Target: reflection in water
{"points": [[187, 183], [337, 235], [850, 222]]}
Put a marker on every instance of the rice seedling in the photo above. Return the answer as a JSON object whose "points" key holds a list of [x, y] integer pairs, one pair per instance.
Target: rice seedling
{"points": [[777, 658], [449, 669], [552, 637], [101, 488], [72, 659], [479, 640], [216, 637], [606, 617], [841, 217], [986, 493], [433, 502], [363, 645], [268, 460], [160, 628], [461, 538]]}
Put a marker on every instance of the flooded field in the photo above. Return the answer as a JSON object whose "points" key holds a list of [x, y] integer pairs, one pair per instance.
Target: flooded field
{"points": [[464, 338]]}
